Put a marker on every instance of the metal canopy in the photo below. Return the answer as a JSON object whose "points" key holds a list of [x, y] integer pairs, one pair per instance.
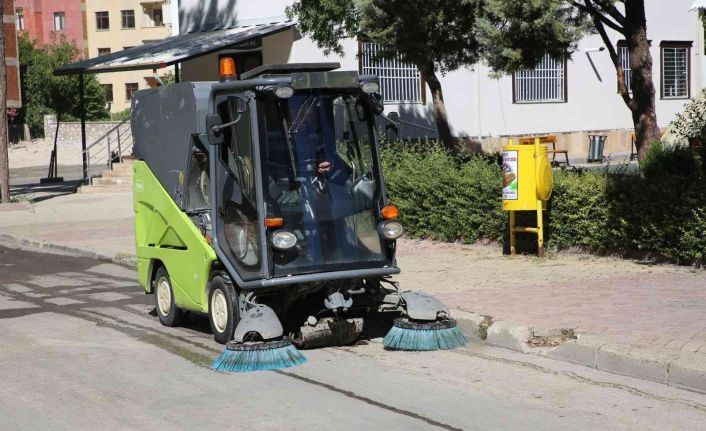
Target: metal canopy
{"points": [[175, 49]]}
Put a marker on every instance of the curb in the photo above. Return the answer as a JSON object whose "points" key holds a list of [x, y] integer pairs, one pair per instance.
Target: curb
{"points": [[128, 261], [680, 370]]}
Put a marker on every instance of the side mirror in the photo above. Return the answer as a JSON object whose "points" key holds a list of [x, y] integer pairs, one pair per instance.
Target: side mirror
{"points": [[214, 122], [376, 104]]}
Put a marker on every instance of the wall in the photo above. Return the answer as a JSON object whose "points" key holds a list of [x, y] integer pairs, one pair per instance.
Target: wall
{"points": [[39, 20], [200, 15], [70, 132], [117, 39]]}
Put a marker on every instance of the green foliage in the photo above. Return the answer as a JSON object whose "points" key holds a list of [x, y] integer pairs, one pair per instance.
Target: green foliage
{"points": [[517, 34], [122, 115], [439, 197], [328, 21], [49, 94], [450, 198], [421, 31], [691, 123], [168, 78]]}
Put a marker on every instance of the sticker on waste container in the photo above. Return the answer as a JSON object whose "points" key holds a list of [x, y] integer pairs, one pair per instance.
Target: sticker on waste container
{"points": [[510, 175]]}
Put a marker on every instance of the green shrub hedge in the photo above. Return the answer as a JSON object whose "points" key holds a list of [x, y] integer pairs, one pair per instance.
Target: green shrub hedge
{"points": [[453, 198]]}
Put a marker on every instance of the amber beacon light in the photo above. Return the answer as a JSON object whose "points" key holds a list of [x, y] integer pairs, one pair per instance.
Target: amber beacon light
{"points": [[226, 68]]}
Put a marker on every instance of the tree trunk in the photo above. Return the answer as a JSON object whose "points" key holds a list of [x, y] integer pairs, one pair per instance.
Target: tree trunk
{"points": [[428, 73], [4, 161], [644, 114]]}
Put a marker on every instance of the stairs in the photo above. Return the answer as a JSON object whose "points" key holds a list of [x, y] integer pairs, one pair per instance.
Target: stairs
{"points": [[117, 180]]}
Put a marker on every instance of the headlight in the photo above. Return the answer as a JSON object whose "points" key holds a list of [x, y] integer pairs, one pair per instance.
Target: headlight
{"points": [[391, 229], [370, 87], [283, 240], [284, 91]]}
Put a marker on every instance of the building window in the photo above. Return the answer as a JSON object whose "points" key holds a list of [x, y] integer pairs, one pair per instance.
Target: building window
{"points": [[675, 70], [20, 18], [59, 21], [624, 58], [157, 17], [128, 18], [545, 83], [108, 88], [103, 20], [400, 82], [127, 47], [103, 51], [130, 89]]}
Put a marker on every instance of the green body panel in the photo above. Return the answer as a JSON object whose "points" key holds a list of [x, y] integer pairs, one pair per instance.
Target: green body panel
{"points": [[165, 233]]}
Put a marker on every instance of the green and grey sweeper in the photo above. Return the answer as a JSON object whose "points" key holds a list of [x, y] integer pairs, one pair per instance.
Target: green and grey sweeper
{"points": [[260, 202]]}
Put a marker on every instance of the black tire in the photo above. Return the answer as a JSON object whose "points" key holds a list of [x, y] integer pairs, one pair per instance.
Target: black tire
{"points": [[221, 296], [167, 311]]}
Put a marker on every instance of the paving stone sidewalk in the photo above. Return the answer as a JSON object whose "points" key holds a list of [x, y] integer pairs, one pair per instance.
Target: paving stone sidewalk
{"points": [[657, 307]]}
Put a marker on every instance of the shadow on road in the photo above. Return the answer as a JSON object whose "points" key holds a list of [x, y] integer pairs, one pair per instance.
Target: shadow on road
{"points": [[35, 192]]}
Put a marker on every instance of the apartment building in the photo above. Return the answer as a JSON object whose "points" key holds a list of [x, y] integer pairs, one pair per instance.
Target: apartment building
{"points": [[120, 24], [45, 19]]}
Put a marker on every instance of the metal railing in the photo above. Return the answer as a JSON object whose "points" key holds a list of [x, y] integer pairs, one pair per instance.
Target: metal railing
{"points": [[108, 149]]}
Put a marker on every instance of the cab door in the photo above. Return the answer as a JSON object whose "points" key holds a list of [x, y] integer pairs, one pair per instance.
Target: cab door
{"points": [[238, 227]]}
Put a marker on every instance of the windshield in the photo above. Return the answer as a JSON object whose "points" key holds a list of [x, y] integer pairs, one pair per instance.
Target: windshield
{"points": [[321, 177]]}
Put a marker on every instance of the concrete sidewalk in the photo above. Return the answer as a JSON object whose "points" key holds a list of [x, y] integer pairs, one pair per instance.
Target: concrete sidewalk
{"points": [[99, 225], [631, 318]]}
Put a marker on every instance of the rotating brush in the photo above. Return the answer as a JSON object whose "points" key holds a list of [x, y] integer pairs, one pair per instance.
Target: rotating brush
{"points": [[437, 335], [258, 356]]}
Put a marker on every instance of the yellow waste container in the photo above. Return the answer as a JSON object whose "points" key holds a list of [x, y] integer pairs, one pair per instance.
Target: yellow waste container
{"points": [[527, 180], [527, 185]]}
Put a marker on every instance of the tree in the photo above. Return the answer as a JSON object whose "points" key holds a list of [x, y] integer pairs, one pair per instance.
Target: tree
{"points": [[46, 93], [4, 160], [509, 45], [435, 35]]}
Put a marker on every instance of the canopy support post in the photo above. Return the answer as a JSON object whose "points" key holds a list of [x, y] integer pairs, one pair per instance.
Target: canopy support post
{"points": [[82, 90], [177, 73]]}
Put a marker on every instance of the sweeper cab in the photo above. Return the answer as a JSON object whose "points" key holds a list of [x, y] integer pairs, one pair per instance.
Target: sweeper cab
{"points": [[260, 202]]}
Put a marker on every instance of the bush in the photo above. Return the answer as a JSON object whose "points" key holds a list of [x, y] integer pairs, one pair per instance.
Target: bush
{"points": [[457, 198], [440, 199], [122, 115]]}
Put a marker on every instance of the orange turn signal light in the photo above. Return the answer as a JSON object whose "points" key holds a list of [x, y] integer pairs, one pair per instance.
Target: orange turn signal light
{"points": [[274, 222], [226, 68], [390, 212]]}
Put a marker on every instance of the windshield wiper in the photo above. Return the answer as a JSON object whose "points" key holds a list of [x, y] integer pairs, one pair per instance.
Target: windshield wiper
{"points": [[300, 119], [288, 137]]}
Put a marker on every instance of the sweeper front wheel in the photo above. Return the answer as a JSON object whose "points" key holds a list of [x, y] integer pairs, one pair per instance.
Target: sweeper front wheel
{"points": [[169, 314], [222, 313]]}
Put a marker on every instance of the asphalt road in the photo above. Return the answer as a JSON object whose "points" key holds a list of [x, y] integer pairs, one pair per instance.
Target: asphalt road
{"points": [[80, 348]]}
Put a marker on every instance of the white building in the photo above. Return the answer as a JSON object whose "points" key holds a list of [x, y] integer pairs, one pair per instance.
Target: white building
{"points": [[576, 95]]}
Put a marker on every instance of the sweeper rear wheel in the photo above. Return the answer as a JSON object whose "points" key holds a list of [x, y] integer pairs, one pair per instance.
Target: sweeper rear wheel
{"points": [[169, 314], [222, 313]]}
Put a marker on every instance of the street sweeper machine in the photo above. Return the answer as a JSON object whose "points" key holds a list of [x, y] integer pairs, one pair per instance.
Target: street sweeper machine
{"points": [[260, 202]]}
